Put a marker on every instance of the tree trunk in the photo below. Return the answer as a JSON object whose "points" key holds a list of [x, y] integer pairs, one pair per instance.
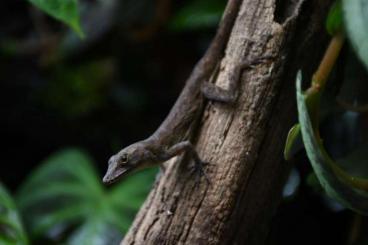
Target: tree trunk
{"points": [[244, 142]]}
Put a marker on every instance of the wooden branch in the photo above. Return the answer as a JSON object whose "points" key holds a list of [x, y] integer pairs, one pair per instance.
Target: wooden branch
{"points": [[243, 143]]}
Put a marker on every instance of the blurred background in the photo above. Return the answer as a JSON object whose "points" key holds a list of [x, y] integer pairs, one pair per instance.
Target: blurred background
{"points": [[68, 104]]}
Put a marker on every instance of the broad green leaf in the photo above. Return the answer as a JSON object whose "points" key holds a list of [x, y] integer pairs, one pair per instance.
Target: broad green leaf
{"points": [[11, 228], [42, 222], [63, 10], [67, 167], [351, 191], [66, 193], [198, 14], [135, 190], [94, 232], [334, 18], [356, 19]]}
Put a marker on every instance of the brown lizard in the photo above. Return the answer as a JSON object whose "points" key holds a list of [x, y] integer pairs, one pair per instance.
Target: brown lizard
{"points": [[172, 137]]}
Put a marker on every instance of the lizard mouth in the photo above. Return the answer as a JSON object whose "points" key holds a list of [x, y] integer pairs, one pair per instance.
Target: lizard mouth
{"points": [[115, 175]]}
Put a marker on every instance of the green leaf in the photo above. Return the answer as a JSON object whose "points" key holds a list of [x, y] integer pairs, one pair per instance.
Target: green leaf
{"points": [[356, 19], [135, 189], [11, 228], [198, 14], [351, 191], [94, 232], [63, 10], [293, 142], [334, 18], [65, 193]]}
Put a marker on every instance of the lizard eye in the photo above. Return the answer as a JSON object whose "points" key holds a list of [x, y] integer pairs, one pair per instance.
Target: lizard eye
{"points": [[124, 158]]}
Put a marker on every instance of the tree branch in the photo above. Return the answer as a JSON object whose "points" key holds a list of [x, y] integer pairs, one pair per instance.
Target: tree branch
{"points": [[243, 143]]}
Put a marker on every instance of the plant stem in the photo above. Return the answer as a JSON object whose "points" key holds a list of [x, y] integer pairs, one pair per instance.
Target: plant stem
{"points": [[314, 92], [327, 63]]}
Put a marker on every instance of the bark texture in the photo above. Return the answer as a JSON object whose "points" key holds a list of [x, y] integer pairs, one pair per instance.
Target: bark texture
{"points": [[242, 143]]}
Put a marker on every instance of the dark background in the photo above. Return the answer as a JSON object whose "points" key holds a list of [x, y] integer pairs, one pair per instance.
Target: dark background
{"points": [[114, 88], [44, 110]]}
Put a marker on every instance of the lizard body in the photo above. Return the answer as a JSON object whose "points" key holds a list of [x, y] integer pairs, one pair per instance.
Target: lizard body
{"points": [[172, 137]]}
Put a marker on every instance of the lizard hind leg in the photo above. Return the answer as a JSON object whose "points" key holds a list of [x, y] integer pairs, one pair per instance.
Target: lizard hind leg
{"points": [[213, 92]]}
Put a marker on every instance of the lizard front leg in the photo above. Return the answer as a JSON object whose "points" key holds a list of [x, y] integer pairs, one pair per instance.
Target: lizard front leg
{"points": [[181, 147], [215, 93]]}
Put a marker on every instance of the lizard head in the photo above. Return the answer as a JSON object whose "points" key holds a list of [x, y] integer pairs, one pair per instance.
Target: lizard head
{"points": [[131, 158]]}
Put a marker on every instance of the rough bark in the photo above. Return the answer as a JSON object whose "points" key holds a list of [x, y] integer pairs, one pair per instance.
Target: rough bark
{"points": [[243, 143]]}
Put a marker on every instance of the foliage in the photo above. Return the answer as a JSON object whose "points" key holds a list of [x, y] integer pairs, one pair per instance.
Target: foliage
{"points": [[293, 142], [77, 90], [334, 18], [338, 184], [71, 76], [356, 19], [63, 10], [339, 179], [11, 228], [198, 14], [65, 193]]}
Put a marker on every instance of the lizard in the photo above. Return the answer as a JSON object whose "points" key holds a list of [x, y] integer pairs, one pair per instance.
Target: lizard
{"points": [[172, 136]]}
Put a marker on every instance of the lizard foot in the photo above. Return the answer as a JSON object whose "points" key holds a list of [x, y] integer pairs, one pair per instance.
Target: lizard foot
{"points": [[198, 171]]}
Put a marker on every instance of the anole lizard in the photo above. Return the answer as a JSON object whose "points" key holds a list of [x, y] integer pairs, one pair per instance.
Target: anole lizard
{"points": [[172, 137]]}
